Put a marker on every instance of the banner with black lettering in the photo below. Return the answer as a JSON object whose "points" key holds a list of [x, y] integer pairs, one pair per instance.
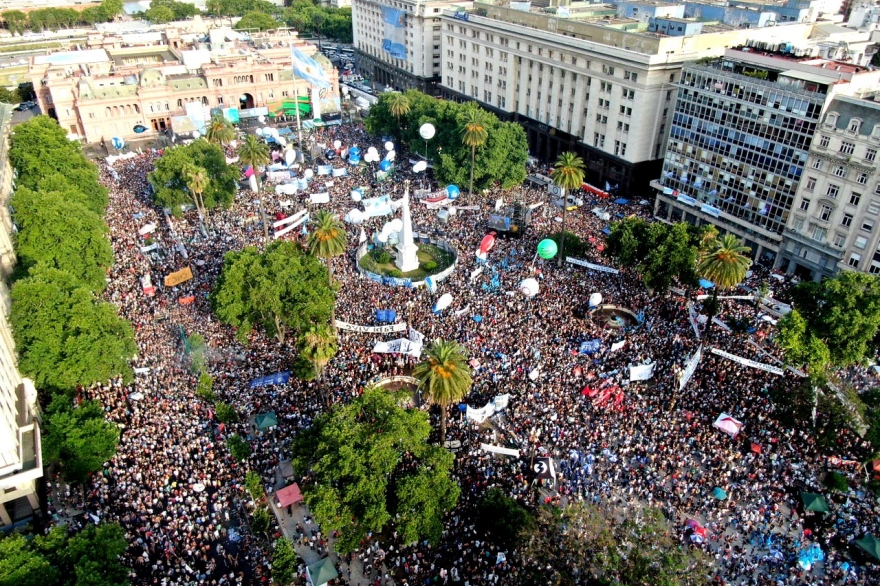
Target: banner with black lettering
{"points": [[746, 362], [341, 325], [589, 265], [690, 368]]}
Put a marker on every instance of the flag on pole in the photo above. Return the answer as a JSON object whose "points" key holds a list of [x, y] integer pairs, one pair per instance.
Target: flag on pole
{"points": [[306, 68]]}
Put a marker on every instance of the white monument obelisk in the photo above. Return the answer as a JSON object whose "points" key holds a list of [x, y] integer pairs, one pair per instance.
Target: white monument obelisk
{"points": [[407, 257]]}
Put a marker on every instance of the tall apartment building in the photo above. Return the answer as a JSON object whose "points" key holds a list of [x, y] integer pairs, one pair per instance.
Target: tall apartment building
{"points": [[139, 84], [21, 460], [398, 41], [739, 141], [583, 85], [835, 222]]}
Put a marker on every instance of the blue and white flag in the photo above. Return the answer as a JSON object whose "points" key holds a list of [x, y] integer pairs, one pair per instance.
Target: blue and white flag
{"points": [[306, 68], [325, 169], [430, 284], [340, 171]]}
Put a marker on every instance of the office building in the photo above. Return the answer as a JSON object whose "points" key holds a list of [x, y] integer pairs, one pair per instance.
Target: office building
{"points": [[739, 141], [398, 42], [835, 218], [21, 460], [138, 85]]}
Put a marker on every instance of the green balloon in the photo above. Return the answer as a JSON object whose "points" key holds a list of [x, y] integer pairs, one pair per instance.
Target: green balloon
{"points": [[547, 249]]}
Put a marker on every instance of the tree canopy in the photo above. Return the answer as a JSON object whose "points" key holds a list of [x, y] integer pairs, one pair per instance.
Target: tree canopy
{"points": [[444, 376], [832, 323], [170, 178], [79, 437], [58, 231], [64, 335], [257, 20], [282, 289], [501, 160], [369, 465]]}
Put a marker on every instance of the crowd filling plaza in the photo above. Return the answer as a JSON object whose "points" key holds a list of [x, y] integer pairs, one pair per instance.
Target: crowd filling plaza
{"points": [[177, 492]]}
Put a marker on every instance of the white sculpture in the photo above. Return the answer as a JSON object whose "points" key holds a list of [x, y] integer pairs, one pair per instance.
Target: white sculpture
{"points": [[407, 251]]}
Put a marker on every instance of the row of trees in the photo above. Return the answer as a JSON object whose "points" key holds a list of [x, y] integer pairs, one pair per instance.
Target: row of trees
{"points": [[304, 16], [471, 145], [42, 19], [65, 335]]}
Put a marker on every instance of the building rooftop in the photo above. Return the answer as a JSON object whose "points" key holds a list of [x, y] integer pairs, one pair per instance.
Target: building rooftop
{"points": [[73, 57], [868, 111]]}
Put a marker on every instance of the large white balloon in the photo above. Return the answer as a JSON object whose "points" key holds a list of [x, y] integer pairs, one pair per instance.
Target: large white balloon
{"points": [[391, 155], [258, 132], [442, 303], [389, 146], [372, 150], [282, 141], [290, 156], [529, 287], [233, 143], [420, 166], [595, 299], [355, 196], [252, 182], [337, 144], [308, 173], [261, 118], [355, 216], [427, 131]]}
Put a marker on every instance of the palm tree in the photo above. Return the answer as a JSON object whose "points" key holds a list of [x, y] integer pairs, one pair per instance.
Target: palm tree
{"points": [[327, 239], [725, 263], [254, 153], [398, 105], [473, 133], [220, 130], [197, 182], [568, 174], [318, 345], [445, 376]]}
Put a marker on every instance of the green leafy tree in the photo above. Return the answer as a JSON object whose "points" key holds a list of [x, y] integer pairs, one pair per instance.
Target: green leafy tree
{"points": [[16, 21], [673, 256], [833, 322], [159, 14], [179, 10], [319, 345], [444, 376], [22, 565], [474, 133], [238, 447], [112, 8], [205, 388], [503, 520], [197, 182], [281, 289], [8, 96], [568, 174], [327, 239], [254, 485], [284, 562], [220, 130], [369, 465], [619, 547], [170, 176], [71, 189], [89, 558], [725, 263], [62, 234], [225, 412], [64, 335], [398, 104], [253, 152], [256, 20], [79, 437]]}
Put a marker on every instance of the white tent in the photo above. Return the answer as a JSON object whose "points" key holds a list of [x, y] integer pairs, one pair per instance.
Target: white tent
{"points": [[728, 424]]}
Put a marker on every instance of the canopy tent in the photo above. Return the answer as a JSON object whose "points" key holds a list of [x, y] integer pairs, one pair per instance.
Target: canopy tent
{"points": [[728, 424], [266, 421], [289, 495], [719, 493], [870, 544], [321, 572], [815, 502]]}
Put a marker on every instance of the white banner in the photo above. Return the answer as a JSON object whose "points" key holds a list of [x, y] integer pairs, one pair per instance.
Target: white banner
{"points": [[496, 405], [142, 370], [415, 335], [289, 219], [320, 197], [721, 324], [617, 345], [641, 372], [690, 368], [149, 248], [370, 329], [475, 273], [499, 450], [749, 297], [589, 265], [147, 229], [399, 346], [692, 317], [436, 205], [463, 311], [747, 362], [286, 229]]}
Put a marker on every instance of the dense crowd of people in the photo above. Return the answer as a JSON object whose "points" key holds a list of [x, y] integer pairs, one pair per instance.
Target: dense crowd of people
{"points": [[180, 496]]}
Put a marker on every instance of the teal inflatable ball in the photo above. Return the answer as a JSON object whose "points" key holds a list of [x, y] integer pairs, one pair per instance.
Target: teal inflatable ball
{"points": [[547, 249]]}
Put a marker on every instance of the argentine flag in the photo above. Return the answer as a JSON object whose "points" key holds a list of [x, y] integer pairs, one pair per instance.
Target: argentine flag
{"points": [[306, 68]]}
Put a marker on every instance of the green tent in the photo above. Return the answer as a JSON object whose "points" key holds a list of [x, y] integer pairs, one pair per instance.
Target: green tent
{"points": [[266, 420], [321, 572], [719, 493], [815, 502], [871, 545]]}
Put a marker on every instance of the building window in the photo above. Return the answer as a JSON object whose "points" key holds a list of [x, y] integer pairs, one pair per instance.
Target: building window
{"points": [[606, 87], [626, 111], [805, 204], [817, 164], [874, 208], [819, 234], [220, 100], [629, 94], [860, 242], [854, 260], [847, 148], [599, 140], [607, 69], [877, 189], [839, 240], [846, 222], [811, 183], [798, 224], [854, 125], [840, 171], [867, 225], [855, 198], [870, 155], [832, 191], [862, 178], [630, 75], [823, 142], [826, 213]]}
